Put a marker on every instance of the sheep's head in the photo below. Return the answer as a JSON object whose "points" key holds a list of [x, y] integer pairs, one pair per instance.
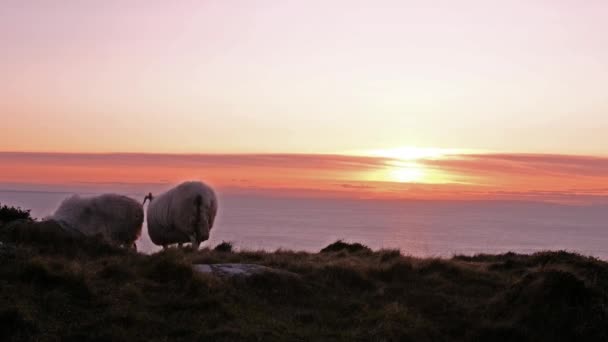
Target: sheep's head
{"points": [[148, 197]]}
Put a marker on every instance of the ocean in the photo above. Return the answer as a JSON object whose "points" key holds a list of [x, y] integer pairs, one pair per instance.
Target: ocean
{"points": [[418, 228]]}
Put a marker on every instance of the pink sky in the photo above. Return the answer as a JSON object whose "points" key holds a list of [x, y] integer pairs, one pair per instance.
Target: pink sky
{"points": [[304, 76], [292, 96]]}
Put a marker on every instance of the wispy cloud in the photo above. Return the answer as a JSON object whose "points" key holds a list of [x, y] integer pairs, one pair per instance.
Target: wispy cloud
{"points": [[295, 161], [523, 164], [546, 177]]}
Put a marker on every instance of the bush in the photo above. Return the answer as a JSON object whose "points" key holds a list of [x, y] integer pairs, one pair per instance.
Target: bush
{"points": [[340, 246], [9, 214], [225, 247]]}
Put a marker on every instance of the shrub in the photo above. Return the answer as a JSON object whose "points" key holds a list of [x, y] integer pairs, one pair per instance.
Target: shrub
{"points": [[9, 214], [226, 247], [340, 245]]}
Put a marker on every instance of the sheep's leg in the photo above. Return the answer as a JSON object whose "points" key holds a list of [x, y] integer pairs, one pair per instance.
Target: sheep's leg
{"points": [[195, 242], [195, 223]]}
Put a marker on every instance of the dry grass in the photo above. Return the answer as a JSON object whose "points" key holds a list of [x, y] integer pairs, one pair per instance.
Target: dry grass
{"points": [[77, 288]]}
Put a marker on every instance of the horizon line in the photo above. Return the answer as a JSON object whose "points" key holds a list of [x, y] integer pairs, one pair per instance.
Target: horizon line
{"points": [[461, 152]]}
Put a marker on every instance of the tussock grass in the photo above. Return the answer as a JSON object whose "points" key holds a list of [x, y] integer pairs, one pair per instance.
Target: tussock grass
{"points": [[341, 246], [82, 289], [224, 247]]}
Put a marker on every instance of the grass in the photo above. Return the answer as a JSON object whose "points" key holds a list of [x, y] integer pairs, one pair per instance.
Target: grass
{"points": [[224, 247], [80, 289]]}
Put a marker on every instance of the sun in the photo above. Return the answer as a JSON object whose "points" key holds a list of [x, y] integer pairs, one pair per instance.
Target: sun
{"points": [[406, 164], [410, 173], [397, 171]]}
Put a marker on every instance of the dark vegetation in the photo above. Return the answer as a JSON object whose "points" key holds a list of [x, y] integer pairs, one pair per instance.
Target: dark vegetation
{"points": [[224, 247], [9, 214], [341, 246], [73, 288]]}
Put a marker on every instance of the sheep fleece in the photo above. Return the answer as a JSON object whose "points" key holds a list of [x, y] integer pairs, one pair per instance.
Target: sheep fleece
{"points": [[117, 218], [185, 212]]}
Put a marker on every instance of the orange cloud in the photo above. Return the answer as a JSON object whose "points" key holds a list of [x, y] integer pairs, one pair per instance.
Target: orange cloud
{"points": [[526, 171], [563, 178]]}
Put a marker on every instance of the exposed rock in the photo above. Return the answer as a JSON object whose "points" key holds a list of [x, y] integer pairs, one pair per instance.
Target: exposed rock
{"points": [[232, 270]]}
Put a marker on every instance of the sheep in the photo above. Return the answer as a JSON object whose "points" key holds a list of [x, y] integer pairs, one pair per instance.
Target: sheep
{"points": [[115, 217], [183, 214]]}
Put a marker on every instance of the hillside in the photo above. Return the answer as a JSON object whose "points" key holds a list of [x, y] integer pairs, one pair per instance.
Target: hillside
{"points": [[55, 287]]}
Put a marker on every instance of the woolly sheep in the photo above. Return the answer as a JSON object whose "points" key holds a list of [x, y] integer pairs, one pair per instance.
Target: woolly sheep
{"points": [[115, 217], [183, 214]]}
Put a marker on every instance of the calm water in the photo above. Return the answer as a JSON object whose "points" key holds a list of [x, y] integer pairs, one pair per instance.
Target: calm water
{"points": [[417, 228]]}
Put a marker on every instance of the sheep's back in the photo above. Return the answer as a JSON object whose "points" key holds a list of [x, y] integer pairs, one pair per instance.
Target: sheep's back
{"points": [[122, 215], [116, 217], [73, 212], [174, 208]]}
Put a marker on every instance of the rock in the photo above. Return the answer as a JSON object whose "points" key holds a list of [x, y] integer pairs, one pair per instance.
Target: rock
{"points": [[232, 270]]}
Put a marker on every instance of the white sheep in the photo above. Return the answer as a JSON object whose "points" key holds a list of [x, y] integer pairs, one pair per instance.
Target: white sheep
{"points": [[183, 214], [115, 217]]}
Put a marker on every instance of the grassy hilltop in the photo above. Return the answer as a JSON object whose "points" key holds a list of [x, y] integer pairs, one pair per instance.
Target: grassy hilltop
{"points": [[63, 288]]}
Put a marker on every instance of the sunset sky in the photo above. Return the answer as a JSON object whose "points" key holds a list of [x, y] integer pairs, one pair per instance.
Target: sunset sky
{"points": [[395, 99]]}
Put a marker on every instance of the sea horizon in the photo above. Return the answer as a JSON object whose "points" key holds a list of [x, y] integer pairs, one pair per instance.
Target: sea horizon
{"points": [[421, 228]]}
